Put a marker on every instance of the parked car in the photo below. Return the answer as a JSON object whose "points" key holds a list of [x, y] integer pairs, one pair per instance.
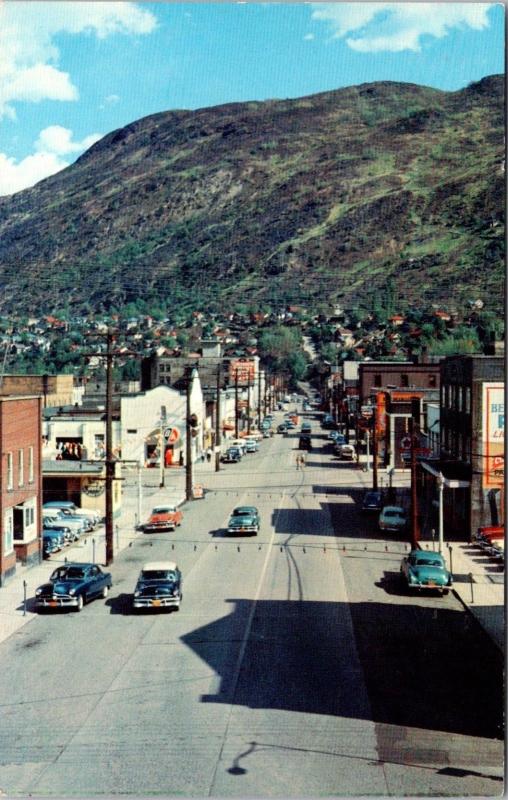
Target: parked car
{"points": [[93, 516], [73, 585], [373, 501], [339, 438], [345, 451], [422, 569], [267, 433], [159, 585], [232, 455], [244, 519], [282, 428], [305, 442], [334, 435], [240, 444], [328, 422], [393, 518], [251, 446], [66, 513], [53, 517], [52, 542], [163, 518], [306, 427]]}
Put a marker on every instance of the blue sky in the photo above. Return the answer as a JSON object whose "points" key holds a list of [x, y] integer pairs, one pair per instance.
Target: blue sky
{"points": [[72, 71]]}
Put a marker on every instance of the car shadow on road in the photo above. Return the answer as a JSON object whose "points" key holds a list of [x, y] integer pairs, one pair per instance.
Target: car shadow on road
{"points": [[122, 604]]}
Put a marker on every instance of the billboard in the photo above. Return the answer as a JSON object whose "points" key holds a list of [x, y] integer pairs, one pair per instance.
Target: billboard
{"points": [[244, 368], [493, 434]]}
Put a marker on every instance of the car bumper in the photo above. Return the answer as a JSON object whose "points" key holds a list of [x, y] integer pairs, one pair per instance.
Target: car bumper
{"points": [[152, 602], [167, 526], [56, 602], [244, 529]]}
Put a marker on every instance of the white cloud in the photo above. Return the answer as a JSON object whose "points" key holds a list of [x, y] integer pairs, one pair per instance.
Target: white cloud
{"points": [[395, 27], [29, 69], [53, 143]]}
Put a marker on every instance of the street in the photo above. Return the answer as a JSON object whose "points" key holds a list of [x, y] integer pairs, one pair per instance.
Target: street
{"points": [[298, 665]]}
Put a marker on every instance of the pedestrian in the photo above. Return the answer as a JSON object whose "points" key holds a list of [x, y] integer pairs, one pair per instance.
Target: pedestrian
{"points": [[209, 454], [302, 461], [298, 462]]}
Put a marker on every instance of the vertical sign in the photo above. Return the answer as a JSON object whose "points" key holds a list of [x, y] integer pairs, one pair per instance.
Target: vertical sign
{"points": [[493, 434]]}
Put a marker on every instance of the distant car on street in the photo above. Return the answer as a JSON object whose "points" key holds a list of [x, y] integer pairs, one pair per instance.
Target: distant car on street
{"points": [[393, 519], [244, 519], [73, 585], [345, 451], [68, 506], [422, 569], [282, 428], [232, 455], [159, 585], [251, 446], [52, 542], [163, 518], [373, 501]]}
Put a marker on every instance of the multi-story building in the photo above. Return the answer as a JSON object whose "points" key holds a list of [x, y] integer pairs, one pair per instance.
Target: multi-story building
{"points": [[404, 375], [20, 482], [56, 390]]}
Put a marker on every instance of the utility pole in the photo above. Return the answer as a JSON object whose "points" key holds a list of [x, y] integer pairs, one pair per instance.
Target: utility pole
{"points": [[110, 464], [236, 404], [162, 452], [217, 422], [248, 406], [374, 449], [188, 443], [415, 533], [259, 399]]}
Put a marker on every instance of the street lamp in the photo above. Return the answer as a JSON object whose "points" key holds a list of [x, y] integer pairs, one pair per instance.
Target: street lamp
{"points": [[440, 487]]}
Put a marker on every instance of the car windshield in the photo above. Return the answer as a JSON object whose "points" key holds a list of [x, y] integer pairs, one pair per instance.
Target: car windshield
{"points": [[240, 512], [393, 512], [428, 562], [163, 510], [71, 574], [158, 575]]}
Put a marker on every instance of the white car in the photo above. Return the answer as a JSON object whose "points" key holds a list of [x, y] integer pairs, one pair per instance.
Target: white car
{"points": [[240, 443]]}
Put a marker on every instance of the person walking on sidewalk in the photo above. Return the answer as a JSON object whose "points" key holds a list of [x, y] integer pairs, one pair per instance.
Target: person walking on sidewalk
{"points": [[302, 461], [298, 461], [209, 454]]}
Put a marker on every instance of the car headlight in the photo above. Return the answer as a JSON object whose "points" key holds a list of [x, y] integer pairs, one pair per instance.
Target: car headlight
{"points": [[38, 592], [137, 593], [72, 592]]}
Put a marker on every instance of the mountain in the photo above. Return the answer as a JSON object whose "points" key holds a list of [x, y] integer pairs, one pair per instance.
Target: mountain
{"points": [[320, 198]]}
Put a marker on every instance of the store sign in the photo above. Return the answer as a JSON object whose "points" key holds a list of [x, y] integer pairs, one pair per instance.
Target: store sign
{"points": [[493, 434], [242, 371]]}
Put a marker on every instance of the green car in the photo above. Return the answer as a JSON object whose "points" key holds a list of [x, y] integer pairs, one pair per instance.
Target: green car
{"points": [[393, 519], [244, 519], [422, 569]]}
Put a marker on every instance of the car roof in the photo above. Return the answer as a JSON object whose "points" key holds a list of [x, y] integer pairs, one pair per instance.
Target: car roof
{"points": [[245, 509], [159, 565], [81, 564]]}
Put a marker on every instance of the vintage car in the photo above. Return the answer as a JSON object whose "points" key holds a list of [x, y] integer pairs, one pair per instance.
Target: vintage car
{"points": [[72, 585], [251, 446], [345, 451], [232, 455], [163, 518], [52, 542], [159, 586], [373, 501], [53, 517], [67, 514], [393, 519], [282, 427], [423, 569], [70, 533], [244, 519], [67, 505]]}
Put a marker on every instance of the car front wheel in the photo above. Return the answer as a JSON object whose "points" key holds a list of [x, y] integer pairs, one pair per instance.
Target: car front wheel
{"points": [[104, 592], [81, 602]]}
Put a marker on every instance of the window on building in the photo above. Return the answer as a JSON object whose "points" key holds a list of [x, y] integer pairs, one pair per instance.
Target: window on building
{"points": [[10, 475], [8, 532], [21, 467], [404, 379], [24, 517], [432, 381], [30, 465], [378, 380]]}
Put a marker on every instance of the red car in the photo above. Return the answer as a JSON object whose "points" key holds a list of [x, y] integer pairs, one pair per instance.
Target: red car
{"points": [[163, 518]]}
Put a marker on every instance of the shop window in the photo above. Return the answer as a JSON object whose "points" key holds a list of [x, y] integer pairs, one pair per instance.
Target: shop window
{"points": [[404, 379], [432, 381], [378, 380], [24, 528]]}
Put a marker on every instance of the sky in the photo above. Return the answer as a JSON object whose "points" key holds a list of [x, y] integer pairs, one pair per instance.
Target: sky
{"points": [[72, 71]]}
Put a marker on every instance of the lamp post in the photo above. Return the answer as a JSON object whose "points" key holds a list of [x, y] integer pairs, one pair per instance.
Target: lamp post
{"points": [[440, 487]]}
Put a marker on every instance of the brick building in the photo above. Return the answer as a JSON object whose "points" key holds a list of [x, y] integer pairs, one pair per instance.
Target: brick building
{"points": [[20, 482], [376, 375]]}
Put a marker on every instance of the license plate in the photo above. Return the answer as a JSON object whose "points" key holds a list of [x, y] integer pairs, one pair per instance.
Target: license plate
{"points": [[432, 583], [156, 602], [53, 603]]}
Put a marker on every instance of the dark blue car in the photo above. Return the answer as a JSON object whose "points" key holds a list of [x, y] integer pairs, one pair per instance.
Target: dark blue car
{"points": [[73, 585]]}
